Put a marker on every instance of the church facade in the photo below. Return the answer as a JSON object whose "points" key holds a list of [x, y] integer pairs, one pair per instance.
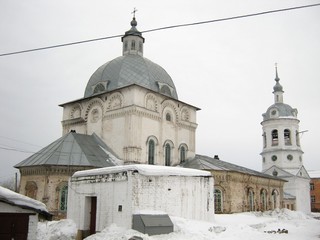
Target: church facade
{"points": [[282, 155], [132, 104]]}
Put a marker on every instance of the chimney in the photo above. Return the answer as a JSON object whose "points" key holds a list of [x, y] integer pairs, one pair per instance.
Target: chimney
{"points": [[216, 157]]}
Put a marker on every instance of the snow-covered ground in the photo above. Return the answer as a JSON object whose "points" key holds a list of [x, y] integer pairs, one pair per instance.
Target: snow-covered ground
{"points": [[250, 225]]}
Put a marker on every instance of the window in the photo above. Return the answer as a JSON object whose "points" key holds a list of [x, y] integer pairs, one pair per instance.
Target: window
{"points": [[133, 45], [287, 137], [263, 200], [125, 45], [151, 151], [274, 199], [168, 117], [140, 46], [274, 135], [311, 186], [63, 198], [218, 201], [182, 154], [165, 90], [313, 199], [251, 200], [99, 88], [167, 154]]}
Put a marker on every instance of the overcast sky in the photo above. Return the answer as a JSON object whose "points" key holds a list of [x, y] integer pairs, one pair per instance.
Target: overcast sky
{"points": [[224, 68]]}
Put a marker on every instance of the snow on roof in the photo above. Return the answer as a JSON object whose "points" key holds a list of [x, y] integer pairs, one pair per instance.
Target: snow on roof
{"points": [[147, 170], [17, 199], [314, 173]]}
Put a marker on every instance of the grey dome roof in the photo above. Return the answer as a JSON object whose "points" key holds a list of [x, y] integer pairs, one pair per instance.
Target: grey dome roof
{"points": [[280, 110], [127, 70]]}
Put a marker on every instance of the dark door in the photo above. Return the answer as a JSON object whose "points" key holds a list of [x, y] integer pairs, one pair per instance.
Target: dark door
{"points": [[93, 215], [14, 226]]}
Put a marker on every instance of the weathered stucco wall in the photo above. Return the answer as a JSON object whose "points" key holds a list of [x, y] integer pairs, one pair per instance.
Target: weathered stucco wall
{"points": [[119, 195]]}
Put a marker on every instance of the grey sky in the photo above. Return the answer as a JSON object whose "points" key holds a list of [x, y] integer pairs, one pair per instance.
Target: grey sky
{"points": [[224, 68]]}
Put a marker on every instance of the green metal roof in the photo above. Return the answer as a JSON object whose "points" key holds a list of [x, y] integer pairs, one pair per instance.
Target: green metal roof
{"points": [[73, 149]]}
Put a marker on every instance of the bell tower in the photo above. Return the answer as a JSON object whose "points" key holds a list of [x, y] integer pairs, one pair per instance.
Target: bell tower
{"points": [[280, 125]]}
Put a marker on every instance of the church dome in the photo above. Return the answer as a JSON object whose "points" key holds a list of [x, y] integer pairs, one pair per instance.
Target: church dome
{"points": [[127, 70], [280, 110], [131, 68]]}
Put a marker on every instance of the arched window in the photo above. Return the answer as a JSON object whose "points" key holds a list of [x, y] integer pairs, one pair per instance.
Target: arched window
{"points": [[140, 46], [182, 154], [133, 45], [151, 151], [251, 200], [275, 199], [167, 154], [165, 90], [263, 200], [287, 137], [274, 135], [218, 200], [31, 189], [125, 45], [63, 198], [99, 88]]}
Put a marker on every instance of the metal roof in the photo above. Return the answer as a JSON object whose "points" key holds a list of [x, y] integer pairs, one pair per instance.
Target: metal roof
{"points": [[73, 149], [284, 110], [208, 163], [130, 69]]}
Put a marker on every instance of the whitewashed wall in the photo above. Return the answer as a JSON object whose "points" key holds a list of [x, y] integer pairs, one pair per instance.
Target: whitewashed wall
{"points": [[187, 197], [182, 196]]}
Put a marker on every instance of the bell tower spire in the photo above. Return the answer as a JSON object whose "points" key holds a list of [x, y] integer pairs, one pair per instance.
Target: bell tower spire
{"points": [[277, 89], [132, 39]]}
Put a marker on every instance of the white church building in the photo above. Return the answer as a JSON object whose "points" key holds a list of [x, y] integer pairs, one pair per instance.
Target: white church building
{"points": [[282, 153], [131, 103]]}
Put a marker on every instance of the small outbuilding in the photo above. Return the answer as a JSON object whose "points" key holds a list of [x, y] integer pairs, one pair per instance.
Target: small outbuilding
{"points": [[19, 215], [100, 197]]}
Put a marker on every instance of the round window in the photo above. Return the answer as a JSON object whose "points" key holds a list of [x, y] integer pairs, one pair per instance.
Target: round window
{"points": [[274, 158], [290, 157]]}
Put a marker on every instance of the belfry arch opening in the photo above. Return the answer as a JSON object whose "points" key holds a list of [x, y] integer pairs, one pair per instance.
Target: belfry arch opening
{"points": [[274, 136], [287, 137]]}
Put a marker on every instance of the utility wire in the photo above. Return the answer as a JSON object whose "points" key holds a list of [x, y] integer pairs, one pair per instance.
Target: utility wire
{"points": [[164, 28]]}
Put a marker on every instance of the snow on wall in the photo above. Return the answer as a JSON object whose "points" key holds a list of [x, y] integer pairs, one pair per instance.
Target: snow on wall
{"points": [[148, 170], [122, 191]]}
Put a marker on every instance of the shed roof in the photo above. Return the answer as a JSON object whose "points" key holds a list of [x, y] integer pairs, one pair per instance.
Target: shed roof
{"points": [[24, 202], [74, 149]]}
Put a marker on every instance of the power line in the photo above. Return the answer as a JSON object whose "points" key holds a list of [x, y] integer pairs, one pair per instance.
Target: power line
{"points": [[12, 139], [163, 28], [15, 149]]}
